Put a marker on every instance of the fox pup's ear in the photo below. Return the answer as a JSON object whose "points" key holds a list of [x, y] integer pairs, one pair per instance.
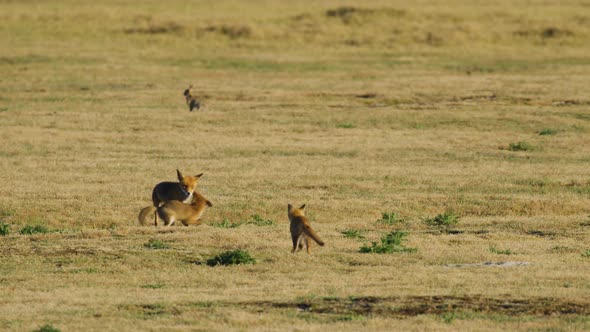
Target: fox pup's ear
{"points": [[180, 176], [302, 207], [185, 93], [289, 207], [199, 175]]}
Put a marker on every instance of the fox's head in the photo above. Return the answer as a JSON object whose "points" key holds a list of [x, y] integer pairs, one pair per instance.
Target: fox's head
{"points": [[188, 183], [187, 92], [295, 212]]}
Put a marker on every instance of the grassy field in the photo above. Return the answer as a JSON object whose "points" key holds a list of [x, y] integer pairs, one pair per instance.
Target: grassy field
{"points": [[379, 116]]}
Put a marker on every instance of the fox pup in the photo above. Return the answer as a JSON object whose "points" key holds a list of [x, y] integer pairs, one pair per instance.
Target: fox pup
{"points": [[166, 191], [301, 230], [174, 210], [191, 99]]}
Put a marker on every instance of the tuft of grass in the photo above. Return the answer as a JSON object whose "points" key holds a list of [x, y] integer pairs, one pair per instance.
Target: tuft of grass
{"points": [[202, 304], [548, 131], [47, 328], [586, 254], [84, 270], [156, 244], [225, 223], [390, 243], [37, 229], [389, 218], [521, 146], [345, 125], [231, 31], [153, 286], [443, 220], [353, 234], [259, 221], [4, 229], [501, 252], [232, 257]]}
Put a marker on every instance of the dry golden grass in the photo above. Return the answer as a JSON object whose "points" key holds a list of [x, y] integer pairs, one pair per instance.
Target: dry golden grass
{"points": [[354, 110]]}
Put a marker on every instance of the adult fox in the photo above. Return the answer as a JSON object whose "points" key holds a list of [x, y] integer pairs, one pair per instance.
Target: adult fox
{"points": [[173, 211], [167, 191], [301, 230]]}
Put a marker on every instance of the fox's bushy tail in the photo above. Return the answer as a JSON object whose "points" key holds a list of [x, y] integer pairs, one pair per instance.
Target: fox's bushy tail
{"points": [[310, 232], [146, 211]]}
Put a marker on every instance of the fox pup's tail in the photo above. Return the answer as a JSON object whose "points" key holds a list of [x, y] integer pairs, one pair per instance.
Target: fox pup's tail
{"points": [[146, 211], [309, 232]]}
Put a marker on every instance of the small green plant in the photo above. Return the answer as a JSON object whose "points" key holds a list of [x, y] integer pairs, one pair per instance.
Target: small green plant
{"points": [[232, 257], [37, 229], [389, 218], [443, 220], [156, 244], [225, 223], [586, 254], [153, 286], [4, 229], [501, 252], [47, 328], [345, 125], [353, 234], [521, 146], [449, 317], [548, 131], [259, 221], [390, 243]]}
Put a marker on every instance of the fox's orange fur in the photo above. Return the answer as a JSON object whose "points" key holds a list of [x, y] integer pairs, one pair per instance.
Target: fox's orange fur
{"points": [[167, 191], [301, 230], [173, 211]]}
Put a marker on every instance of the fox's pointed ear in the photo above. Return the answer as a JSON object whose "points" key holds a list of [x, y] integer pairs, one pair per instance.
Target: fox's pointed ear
{"points": [[289, 207], [302, 207], [180, 177], [199, 175]]}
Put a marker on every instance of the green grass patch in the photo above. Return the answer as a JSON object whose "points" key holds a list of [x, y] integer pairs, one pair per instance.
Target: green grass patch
{"points": [[389, 218], [4, 229], [233, 257], [443, 220], [390, 243], [47, 328], [521, 146], [353, 234], [36, 229], [153, 286], [548, 131], [501, 252], [260, 221], [586, 254], [345, 125], [225, 223], [156, 244], [84, 270]]}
